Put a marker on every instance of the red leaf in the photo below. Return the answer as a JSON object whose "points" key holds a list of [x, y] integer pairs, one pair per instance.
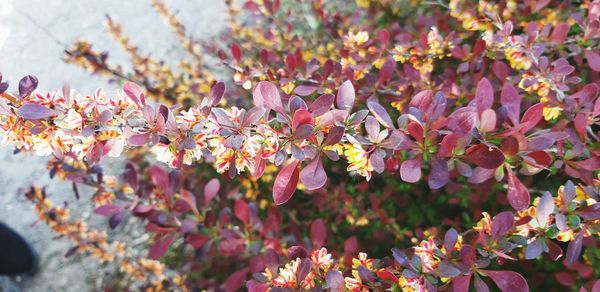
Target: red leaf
{"points": [[508, 281], [593, 59], [345, 96], [286, 183], [313, 175], [484, 156], [216, 93], [410, 170], [236, 52], [32, 111], [196, 240], [302, 117], [160, 247], [484, 95], [518, 195], [236, 280], [242, 211], [318, 233]]}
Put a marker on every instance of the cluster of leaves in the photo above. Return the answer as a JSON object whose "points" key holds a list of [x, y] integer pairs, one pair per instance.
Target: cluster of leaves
{"points": [[461, 105]]}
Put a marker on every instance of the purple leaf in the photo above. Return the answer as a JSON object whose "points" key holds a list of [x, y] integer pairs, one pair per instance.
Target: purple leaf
{"points": [[574, 248], [27, 85], [372, 127], [591, 212], [446, 270], [313, 175], [439, 175], [545, 207], [304, 90], [365, 274], [461, 283], [334, 136], [508, 281], [450, 239], [480, 285], [380, 114], [286, 183], [335, 280], [32, 111], [410, 170], [502, 223], [303, 269], [534, 249], [252, 116], [387, 70], [322, 104], [401, 257], [345, 96], [295, 252], [518, 195]]}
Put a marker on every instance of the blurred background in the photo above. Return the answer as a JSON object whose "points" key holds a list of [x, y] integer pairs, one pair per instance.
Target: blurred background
{"points": [[33, 36]]}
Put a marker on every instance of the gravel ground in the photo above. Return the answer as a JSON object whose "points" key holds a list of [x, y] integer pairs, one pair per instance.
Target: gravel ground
{"points": [[33, 34]]}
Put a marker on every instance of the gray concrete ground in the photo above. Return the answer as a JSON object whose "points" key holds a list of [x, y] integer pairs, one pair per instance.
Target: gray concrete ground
{"points": [[32, 38]]}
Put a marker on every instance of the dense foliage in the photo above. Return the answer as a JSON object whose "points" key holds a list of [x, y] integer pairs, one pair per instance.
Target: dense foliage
{"points": [[461, 138]]}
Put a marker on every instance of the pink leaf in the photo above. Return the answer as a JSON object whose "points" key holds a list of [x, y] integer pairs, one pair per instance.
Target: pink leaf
{"points": [[487, 121], [286, 183], [318, 233], [335, 280], [266, 94], [138, 139], [345, 96], [210, 190], [216, 93], [313, 175], [544, 209], [484, 95], [410, 170], [134, 92], [32, 111], [510, 98], [508, 281], [593, 59], [518, 195], [302, 117]]}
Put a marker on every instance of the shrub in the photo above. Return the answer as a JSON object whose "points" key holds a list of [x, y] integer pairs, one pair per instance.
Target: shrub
{"points": [[439, 112]]}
